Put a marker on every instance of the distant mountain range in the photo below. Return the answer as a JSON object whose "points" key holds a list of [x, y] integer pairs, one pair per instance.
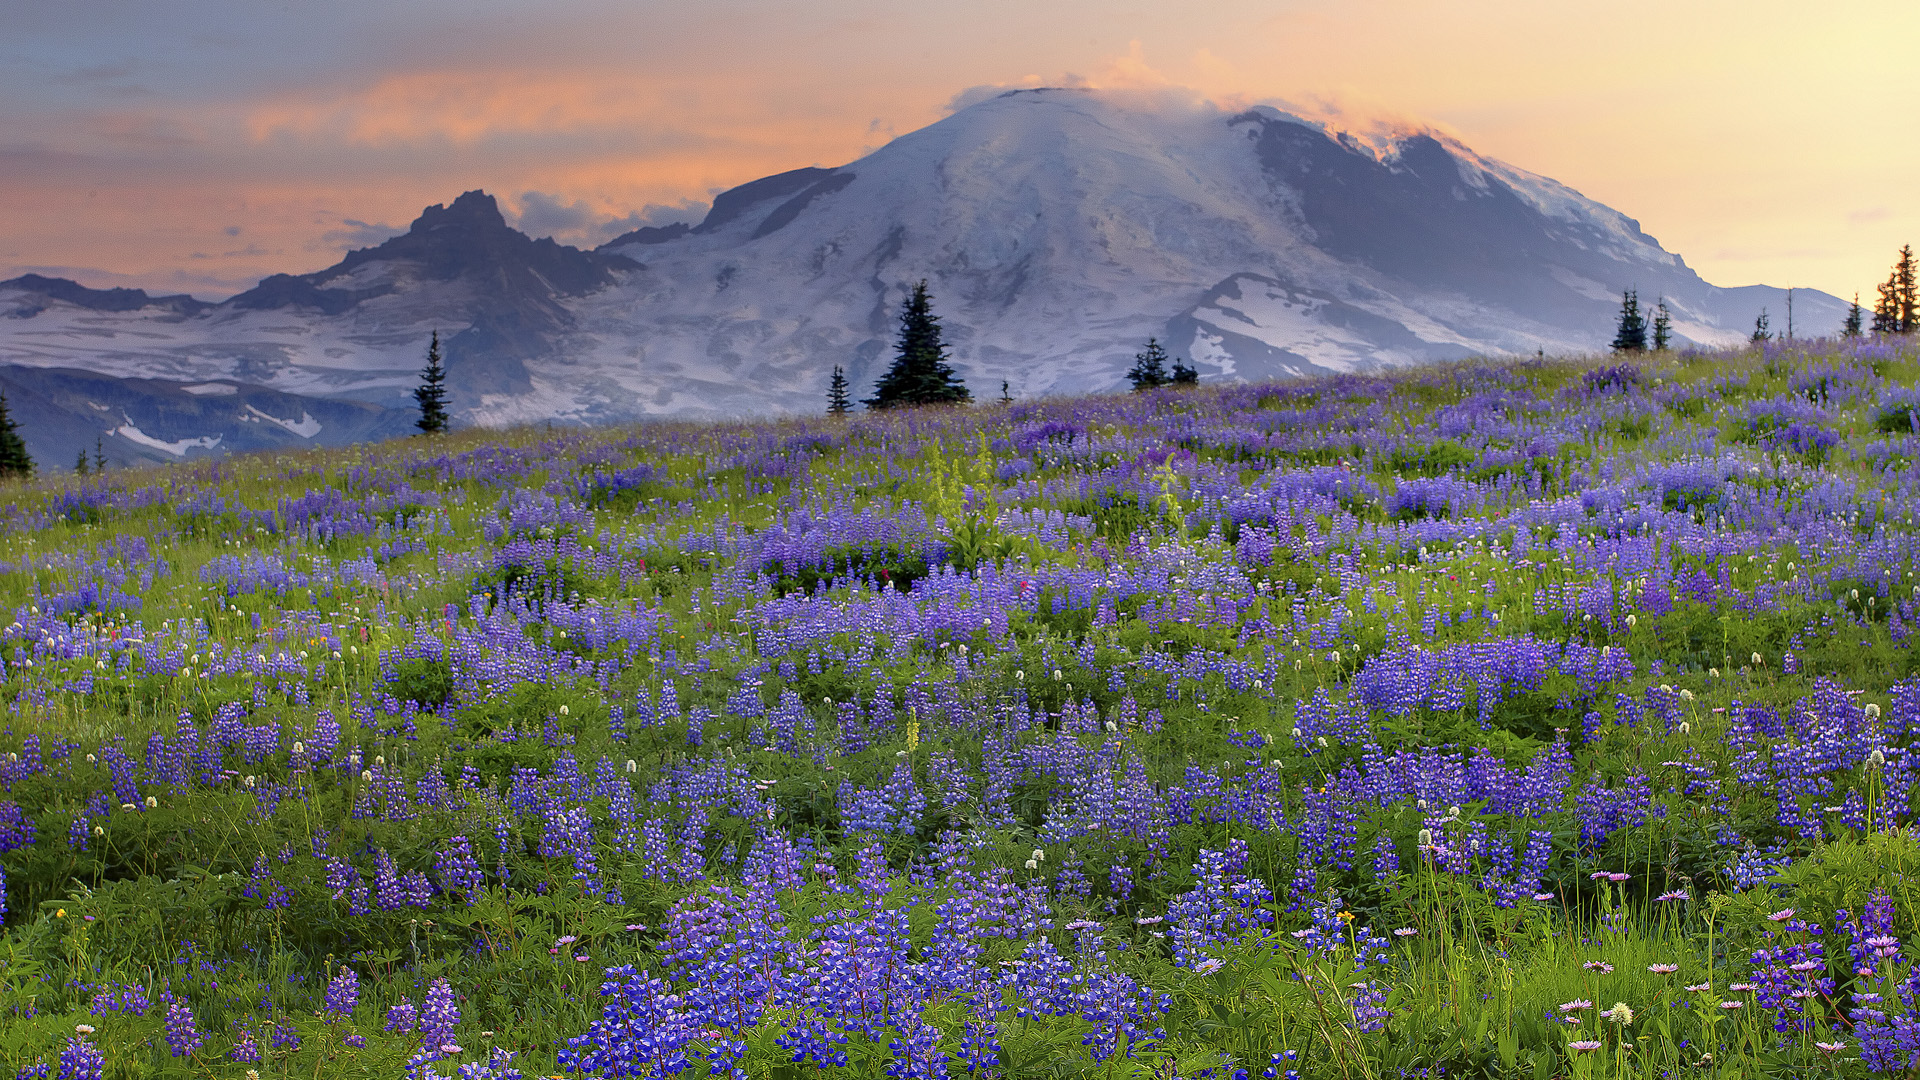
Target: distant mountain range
{"points": [[1058, 230]]}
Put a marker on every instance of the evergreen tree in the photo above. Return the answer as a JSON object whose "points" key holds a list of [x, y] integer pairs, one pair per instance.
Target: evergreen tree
{"points": [[920, 374], [1184, 375], [1851, 328], [1760, 328], [99, 456], [838, 402], [80, 464], [431, 394], [1149, 368], [1006, 395], [1632, 333], [14, 459], [1905, 297], [1895, 311], [1662, 327]]}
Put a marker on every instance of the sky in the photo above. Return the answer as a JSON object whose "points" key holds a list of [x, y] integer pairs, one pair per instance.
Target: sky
{"points": [[199, 145]]}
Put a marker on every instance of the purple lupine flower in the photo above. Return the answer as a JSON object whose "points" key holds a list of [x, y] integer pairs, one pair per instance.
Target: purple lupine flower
{"points": [[183, 1035], [246, 1049], [439, 1013], [81, 1060], [402, 1018], [343, 993]]}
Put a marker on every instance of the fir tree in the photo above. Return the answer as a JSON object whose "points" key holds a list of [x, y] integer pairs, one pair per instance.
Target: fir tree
{"points": [[1905, 297], [1895, 311], [99, 456], [1632, 333], [920, 374], [1662, 327], [431, 394], [838, 402], [1184, 375], [1149, 368], [1760, 328], [1006, 395], [1851, 328], [80, 463], [14, 459]]}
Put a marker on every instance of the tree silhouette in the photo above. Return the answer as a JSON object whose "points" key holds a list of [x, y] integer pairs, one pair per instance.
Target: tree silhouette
{"points": [[1662, 327], [1149, 368], [1851, 328], [14, 459], [920, 374], [431, 394], [838, 403], [1631, 336], [1894, 312]]}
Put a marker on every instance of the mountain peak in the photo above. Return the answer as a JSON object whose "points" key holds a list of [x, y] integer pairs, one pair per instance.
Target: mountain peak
{"points": [[473, 209]]}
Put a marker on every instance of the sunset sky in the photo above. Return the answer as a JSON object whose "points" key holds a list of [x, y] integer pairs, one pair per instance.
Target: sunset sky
{"points": [[198, 145]]}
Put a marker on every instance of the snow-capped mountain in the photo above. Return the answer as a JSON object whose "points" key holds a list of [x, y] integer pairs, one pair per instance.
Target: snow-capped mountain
{"points": [[1058, 230]]}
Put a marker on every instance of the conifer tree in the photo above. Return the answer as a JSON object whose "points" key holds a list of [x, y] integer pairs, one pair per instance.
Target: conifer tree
{"points": [[80, 464], [1006, 395], [1906, 298], [1631, 336], [920, 374], [1149, 368], [838, 401], [1884, 319], [1851, 328], [99, 456], [14, 459], [1184, 375], [1662, 327], [1895, 311], [431, 394], [1760, 328]]}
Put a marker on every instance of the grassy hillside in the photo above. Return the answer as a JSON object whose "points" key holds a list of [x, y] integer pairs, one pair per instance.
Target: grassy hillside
{"points": [[1518, 719]]}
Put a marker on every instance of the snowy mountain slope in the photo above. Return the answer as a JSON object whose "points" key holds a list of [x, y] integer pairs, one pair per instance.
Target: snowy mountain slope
{"points": [[62, 412], [1058, 229]]}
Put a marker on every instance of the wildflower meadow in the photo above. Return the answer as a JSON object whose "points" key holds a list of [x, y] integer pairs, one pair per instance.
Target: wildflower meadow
{"points": [[1500, 719]]}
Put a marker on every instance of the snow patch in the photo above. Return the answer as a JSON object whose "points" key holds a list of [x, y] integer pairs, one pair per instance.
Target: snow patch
{"points": [[178, 448], [306, 427], [215, 388]]}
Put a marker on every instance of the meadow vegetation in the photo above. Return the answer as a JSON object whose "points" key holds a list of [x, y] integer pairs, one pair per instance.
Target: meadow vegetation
{"points": [[1533, 720]]}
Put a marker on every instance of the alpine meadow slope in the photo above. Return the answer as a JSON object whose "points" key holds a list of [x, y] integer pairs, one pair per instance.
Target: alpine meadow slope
{"points": [[1058, 230]]}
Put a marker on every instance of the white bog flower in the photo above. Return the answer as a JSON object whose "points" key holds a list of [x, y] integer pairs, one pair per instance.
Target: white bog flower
{"points": [[633, 766], [1873, 710], [153, 803]]}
